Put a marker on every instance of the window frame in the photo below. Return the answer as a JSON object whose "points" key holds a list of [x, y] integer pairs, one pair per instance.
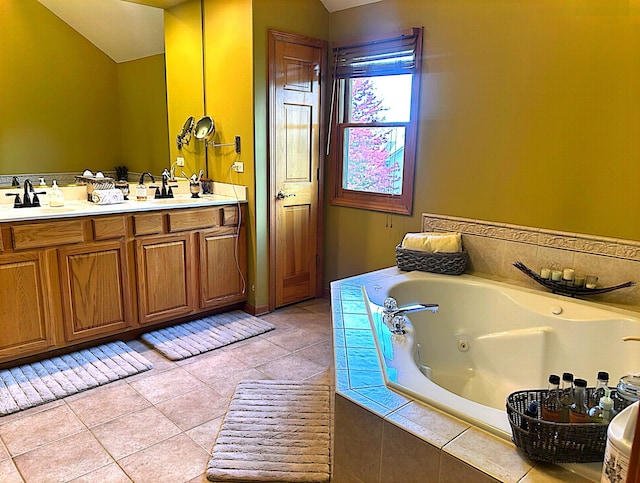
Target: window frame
{"points": [[388, 203]]}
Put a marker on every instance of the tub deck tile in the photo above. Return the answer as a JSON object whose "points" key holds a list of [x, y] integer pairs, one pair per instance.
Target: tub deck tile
{"points": [[442, 427], [494, 455], [385, 397], [364, 401], [361, 379]]}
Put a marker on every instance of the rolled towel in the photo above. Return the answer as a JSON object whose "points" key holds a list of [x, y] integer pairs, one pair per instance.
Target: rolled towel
{"points": [[433, 242], [107, 197]]}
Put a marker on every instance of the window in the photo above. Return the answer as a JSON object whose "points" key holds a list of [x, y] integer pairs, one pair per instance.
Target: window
{"points": [[374, 122]]}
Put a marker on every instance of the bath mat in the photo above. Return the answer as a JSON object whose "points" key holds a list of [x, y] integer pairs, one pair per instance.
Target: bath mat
{"points": [[206, 334], [33, 384], [274, 431]]}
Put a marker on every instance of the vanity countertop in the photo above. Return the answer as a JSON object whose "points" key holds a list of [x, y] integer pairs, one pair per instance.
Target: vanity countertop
{"points": [[224, 194]]}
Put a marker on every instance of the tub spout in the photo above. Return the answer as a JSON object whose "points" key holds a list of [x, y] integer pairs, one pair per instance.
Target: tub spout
{"points": [[391, 307], [394, 316]]}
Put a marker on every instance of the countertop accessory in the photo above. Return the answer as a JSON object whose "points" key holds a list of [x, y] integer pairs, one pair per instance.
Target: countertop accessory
{"points": [[550, 441], [563, 287], [440, 262]]}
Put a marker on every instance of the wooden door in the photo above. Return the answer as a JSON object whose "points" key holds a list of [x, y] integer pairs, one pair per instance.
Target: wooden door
{"points": [[96, 293], [296, 65]]}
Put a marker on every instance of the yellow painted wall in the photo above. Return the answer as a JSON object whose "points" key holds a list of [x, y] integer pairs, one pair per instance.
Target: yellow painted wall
{"points": [[229, 101], [143, 114], [59, 95], [184, 75], [529, 115]]}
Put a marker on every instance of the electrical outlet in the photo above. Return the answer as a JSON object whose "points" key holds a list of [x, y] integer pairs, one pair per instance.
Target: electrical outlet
{"points": [[180, 161], [238, 167]]}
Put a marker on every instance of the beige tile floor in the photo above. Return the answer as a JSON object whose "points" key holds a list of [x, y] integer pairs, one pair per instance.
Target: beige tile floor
{"points": [[159, 426]]}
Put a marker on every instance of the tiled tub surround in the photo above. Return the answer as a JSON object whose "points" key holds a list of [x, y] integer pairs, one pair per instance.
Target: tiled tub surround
{"points": [[494, 247], [382, 436]]}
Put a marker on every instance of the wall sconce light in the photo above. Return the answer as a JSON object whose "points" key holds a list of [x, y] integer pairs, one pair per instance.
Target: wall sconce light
{"points": [[184, 136]]}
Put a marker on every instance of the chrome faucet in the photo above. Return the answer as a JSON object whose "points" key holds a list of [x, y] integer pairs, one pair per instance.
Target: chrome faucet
{"points": [[394, 316]]}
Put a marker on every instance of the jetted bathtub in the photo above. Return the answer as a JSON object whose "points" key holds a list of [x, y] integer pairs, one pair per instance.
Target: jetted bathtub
{"points": [[489, 339]]}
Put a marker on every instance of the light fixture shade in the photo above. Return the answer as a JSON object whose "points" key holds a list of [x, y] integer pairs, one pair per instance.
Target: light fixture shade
{"points": [[204, 129]]}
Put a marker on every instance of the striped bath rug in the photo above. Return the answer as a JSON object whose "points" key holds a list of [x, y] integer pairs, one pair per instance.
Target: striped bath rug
{"points": [[206, 334], [33, 384], [274, 431]]}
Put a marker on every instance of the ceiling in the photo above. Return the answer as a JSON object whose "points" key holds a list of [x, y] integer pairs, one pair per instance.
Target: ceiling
{"points": [[132, 29]]}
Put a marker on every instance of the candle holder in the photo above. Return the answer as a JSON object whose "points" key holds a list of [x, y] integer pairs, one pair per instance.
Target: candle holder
{"points": [[564, 287]]}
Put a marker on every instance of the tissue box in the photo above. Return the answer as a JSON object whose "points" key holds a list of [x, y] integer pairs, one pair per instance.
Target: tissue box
{"points": [[440, 262]]}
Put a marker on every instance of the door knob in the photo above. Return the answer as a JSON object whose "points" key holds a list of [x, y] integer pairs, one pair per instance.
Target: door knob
{"points": [[281, 196]]}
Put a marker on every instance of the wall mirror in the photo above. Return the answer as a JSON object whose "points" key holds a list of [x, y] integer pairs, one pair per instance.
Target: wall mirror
{"points": [[69, 106]]}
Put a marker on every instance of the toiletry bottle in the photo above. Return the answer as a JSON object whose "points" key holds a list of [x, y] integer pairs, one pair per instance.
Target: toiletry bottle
{"points": [[579, 410], [566, 396], [551, 406], [599, 390], [532, 412], [56, 197], [141, 192], [618, 453], [603, 412]]}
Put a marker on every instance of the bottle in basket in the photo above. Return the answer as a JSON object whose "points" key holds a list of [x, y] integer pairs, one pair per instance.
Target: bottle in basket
{"points": [[599, 390], [566, 395], [551, 407], [579, 410]]}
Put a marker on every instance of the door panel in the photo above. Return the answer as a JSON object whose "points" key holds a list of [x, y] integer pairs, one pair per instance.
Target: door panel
{"points": [[295, 124]]}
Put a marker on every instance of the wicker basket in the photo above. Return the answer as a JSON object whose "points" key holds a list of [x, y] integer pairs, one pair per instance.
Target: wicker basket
{"points": [[445, 263], [553, 442]]}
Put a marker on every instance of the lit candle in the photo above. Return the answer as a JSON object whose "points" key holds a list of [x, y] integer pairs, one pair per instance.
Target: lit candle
{"points": [[568, 274], [556, 275], [545, 273]]}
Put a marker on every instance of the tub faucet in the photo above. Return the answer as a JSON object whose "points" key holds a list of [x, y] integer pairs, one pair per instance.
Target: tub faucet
{"points": [[394, 316]]}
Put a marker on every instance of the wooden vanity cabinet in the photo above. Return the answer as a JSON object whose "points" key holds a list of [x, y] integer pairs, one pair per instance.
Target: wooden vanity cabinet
{"points": [[95, 288], [26, 325], [223, 278], [165, 277], [73, 280]]}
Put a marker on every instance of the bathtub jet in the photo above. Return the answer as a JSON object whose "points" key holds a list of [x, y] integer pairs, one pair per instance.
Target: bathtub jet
{"points": [[394, 316]]}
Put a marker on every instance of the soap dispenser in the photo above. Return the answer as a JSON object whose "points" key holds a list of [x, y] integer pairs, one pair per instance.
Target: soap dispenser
{"points": [[56, 197]]}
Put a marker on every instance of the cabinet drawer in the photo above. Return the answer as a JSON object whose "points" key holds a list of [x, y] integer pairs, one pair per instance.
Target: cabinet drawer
{"points": [[47, 234], [148, 224], [229, 216], [183, 220], [109, 228]]}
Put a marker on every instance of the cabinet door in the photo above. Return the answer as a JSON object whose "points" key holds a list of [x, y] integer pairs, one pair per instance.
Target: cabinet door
{"points": [[165, 278], [96, 293], [222, 267], [25, 320]]}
